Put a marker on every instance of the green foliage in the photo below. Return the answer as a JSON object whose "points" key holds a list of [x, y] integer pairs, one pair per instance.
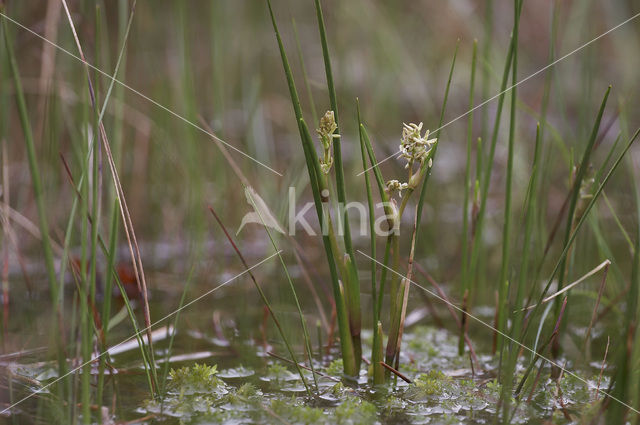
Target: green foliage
{"points": [[296, 413], [355, 411], [199, 378], [428, 384], [335, 367]]}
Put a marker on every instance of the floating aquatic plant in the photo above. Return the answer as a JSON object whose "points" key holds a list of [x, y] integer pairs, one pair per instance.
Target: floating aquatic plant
{"points": [[199, 378]]}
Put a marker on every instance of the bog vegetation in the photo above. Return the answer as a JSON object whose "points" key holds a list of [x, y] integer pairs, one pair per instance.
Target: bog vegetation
{"points": [[505, 287]]}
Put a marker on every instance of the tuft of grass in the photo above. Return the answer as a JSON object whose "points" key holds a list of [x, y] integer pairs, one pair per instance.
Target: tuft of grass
{"points": [[319, 189], [506, 229], [518, 315]]}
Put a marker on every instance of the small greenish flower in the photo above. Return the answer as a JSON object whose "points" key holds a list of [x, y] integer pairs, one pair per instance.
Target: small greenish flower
{"points": [[413, 146], [395, 185], [326, 132]]}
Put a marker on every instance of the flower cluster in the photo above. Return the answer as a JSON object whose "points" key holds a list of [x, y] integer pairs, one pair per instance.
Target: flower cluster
{"points": [[326, 131], [413, 146], [415, 149], [393, 185]]}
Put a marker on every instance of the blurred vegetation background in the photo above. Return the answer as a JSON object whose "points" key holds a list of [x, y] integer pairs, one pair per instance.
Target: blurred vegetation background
{"points": [[217, 62]]}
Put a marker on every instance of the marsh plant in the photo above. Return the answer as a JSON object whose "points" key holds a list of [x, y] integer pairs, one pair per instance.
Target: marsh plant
{"points": [[522, 271], [414, 148], [417, 150]]}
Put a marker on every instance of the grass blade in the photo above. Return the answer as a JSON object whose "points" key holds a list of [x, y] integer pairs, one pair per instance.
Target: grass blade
{"points": [[264, 299], [577, 228], [467, 193], [434, 150], [353, 282], [506, 229], [303, 322]]}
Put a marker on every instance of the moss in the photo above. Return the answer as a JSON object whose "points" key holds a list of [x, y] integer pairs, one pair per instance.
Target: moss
{"points": [[432, 383], [494, 388], [293, 412], [195, 379], [335, 368], [277, 373], [338, 389], [247, 394], [247, 390], [355, 411]]}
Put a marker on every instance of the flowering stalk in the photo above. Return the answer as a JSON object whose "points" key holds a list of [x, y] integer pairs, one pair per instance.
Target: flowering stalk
{"points": [[318, 187], [417, 150], [326, 132]]}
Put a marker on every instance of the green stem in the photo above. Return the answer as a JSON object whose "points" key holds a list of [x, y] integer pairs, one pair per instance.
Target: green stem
{"points": [[506, 229], [467, 191]]}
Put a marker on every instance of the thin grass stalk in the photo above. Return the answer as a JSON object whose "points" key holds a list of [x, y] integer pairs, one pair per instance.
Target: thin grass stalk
{"points": [[506, 229], [379, 372], [434, 150], [399, 291], [405, 285], [187, 97], [392, 245], [96, 189], [85, 336], [346, 343], [388, 210], [517, 318], [486, 178], [4, 180], [394, 299], [303, 322], [108, 253], [144, 348], [108, 290], [467, 193], [243, 179], [487, 45], [625, 385], [541, 349], [353, 283], [316, 182], [165, 368], [634, 393], [33, 165], [576, 229], [265, 300], [305, 76], [546, 91], [376, 349], [372, 232], [39, 199], [134, 249], [584, 165], [124, 30]]}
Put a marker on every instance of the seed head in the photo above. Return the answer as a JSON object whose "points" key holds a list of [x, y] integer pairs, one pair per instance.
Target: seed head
{"points": [[326, 132]]}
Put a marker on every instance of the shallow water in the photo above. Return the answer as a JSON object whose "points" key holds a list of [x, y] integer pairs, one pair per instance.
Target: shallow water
{"points": [[251, 386]]}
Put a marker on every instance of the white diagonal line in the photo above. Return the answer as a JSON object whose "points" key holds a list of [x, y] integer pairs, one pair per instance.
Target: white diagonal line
{"points": [[576, 50], [501, 333], [94, 358], [142, 95]]}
